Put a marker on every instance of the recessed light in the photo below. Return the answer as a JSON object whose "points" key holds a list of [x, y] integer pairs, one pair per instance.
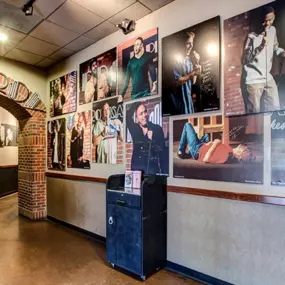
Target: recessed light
{"points": [[3, 37]]}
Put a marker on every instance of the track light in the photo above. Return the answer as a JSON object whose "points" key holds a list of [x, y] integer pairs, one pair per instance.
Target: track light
{"points": [[28, 8], [127, 26]]}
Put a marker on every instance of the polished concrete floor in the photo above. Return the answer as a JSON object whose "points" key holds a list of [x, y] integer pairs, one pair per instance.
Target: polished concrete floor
{"points": [[44, 253]]}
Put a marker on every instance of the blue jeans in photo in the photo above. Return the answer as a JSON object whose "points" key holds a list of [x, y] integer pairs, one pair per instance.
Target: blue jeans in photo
{"points": [[189, 137]]}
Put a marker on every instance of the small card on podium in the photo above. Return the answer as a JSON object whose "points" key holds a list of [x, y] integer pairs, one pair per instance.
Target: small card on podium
{"points": [[137, 179], [128, 180]]}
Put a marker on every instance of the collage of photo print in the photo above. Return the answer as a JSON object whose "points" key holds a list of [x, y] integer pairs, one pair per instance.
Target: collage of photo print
{"points": [[129, 120]]}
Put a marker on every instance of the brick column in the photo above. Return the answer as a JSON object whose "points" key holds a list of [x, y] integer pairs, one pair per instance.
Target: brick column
{"points": [[32, 165]]}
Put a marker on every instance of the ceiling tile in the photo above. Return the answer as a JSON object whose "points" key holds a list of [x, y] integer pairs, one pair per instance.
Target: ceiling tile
{"points": [[13, 17], [45, 8], [42, 8], [154, 5], [134, 12], [54, 34], [4, 48], [23, 56], [105, 8], [47, 62], [37, 46], [14, 37], [101, 31], [80, 44], [17, 3], [74, 17], [61, 54]]}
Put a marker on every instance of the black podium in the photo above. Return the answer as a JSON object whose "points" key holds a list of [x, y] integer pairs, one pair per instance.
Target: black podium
{"points": [[136, 225]]}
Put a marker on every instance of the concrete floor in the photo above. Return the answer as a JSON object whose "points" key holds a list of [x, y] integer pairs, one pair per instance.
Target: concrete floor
{"points": [[44, 253]]}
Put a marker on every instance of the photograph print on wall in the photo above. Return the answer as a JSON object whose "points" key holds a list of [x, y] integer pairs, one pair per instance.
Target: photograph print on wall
{"points": [[191, 69], [107, 74], [147, 137], [56, 144], [278, 148], [63, 94], [78, 140], [98, 77], [219, 148], [138, 66], [107, 132], [2, 135], [254, 65], [9, 135], [88, 81]]}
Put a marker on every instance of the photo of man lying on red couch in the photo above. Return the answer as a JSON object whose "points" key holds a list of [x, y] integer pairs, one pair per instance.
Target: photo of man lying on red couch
{"points": [[219, 148]]}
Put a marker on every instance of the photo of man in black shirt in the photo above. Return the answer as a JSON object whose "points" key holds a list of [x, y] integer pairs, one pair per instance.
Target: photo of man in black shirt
{"points": [[150, 153]]}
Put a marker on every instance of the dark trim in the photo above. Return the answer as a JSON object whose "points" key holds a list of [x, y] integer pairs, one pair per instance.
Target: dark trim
{"points": [[96, 237], [8, 166], [245, 197], [75, 177], [179, 269], [195, 275], [8, 193]]}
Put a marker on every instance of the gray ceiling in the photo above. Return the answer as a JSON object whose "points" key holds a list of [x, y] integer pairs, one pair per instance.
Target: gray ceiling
{"points": [[60, 28]]}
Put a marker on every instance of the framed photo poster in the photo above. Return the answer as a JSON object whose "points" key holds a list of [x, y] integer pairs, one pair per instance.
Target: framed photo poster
{"points": [[191, 69], [147, 137], [219, 148], [254, 65], [138, 66], [63, 94]]}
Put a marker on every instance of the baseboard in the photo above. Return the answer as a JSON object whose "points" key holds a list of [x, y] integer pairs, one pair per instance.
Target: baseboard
{"points": [[171, 266], [2, 195], [195, 275], [85, 232]]}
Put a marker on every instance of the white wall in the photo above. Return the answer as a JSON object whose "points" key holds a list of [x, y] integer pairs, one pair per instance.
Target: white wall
{"points": [[35, 80], [238, 242], [8, 155]]}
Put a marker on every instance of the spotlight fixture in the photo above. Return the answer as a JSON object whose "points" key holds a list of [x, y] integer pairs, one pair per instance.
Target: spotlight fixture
{"points": [[28, 8], [3, 37], [127, 26]]}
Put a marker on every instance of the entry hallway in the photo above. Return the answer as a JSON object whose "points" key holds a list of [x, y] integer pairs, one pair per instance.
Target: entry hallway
{"points": [[45, 253]]}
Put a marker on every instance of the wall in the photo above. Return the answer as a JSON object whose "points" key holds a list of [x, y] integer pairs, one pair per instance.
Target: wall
{"points": [[242, 243], [35, 80], [8, 159], [8, 155]]}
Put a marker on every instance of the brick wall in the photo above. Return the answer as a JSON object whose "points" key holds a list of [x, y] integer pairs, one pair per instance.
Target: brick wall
{"points": [[31, 152], [236, 30], [32, 166]]}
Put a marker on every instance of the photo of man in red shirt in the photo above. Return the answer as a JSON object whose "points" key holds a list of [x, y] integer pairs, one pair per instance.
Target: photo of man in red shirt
{"points": [[219, 148]]}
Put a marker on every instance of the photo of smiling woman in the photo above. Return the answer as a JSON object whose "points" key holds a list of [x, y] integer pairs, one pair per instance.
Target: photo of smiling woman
{"points": [[107, 132], [56, 144], [78, 143]]}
